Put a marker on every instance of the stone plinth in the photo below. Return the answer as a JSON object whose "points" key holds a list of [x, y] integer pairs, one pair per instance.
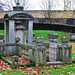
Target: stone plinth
{"points": [[53, 52], [65, 53]]}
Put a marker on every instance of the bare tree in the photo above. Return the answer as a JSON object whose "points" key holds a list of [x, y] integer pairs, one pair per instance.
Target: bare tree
{"points": [[67, 4], [47, 6], [73, 6], [1, 4], [8, 4]]}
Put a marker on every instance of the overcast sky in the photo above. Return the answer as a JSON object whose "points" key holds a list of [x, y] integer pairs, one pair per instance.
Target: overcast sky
{"points": [[59, 6]]}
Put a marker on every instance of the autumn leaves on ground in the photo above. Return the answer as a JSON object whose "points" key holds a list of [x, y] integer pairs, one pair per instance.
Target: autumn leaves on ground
{"points": [[73, 49], [42, 70], [67, 69]]}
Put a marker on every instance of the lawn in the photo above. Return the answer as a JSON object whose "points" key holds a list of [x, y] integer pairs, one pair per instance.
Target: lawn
{"points": [[67, 69], [44, 34], [42, 70], [73, 50], [1, 31]]}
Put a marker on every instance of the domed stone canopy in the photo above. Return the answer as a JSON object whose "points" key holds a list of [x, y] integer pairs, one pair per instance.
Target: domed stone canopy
{"points": [[18, 15], [14, 30]]}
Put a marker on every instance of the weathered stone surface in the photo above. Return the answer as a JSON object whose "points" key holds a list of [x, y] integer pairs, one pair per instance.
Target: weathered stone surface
{"points": [[30, 32], [39, 41], [11, 50], [64, 40], [53, 37], [40, 52], [72, 37], [55, 63], [1, 50], [11, 31], [65, 53], [15, 63], [53, 51]]}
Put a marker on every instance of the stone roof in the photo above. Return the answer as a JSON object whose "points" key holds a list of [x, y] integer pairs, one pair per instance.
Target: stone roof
{"points": [[18, 15], [41, 14]]}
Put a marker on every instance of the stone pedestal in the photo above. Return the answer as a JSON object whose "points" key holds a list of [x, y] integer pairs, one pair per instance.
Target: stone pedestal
{"points": [[40, 52], [65, 53]]}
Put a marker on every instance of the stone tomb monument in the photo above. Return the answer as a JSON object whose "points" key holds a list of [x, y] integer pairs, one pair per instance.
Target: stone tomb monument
{"points": [[14, 30]]}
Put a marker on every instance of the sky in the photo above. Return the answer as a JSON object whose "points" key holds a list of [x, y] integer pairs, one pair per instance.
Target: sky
{"points": [[59, 4]]}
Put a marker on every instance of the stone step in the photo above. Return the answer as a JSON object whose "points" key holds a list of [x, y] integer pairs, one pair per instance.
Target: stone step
{"points": [[55, 63]]}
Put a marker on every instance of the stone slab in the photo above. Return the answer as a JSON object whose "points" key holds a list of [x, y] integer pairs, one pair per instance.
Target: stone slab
{"points": [[55, 63]]}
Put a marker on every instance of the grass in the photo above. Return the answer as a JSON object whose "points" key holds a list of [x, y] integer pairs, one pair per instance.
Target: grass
{"points": [[46, 70], [44, 34], [61, 70], [2, 32], [51, 70]]}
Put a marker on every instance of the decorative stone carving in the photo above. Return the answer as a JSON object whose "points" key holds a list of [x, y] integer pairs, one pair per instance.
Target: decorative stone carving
{"points": [[64, 40], [53, 37], [15, 63], [39, 41]]}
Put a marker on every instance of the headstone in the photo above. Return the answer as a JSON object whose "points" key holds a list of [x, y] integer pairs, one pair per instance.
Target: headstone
{"points": [[64, 40], [53, 37], [72, 37], [39, 41], [53, 47], [50, 37]]}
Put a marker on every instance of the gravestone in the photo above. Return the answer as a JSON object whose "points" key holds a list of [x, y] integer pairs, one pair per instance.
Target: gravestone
{"points": [[50, 37], [72, 37], [64, 40], [53, 47], [53, 37]]}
